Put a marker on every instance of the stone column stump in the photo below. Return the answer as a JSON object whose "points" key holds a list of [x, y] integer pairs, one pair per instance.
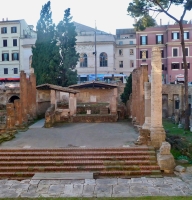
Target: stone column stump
{"points": [[157, 131]]}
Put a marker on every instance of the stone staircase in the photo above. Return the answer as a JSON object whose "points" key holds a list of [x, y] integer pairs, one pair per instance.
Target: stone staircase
{"points": [[103, 162]]}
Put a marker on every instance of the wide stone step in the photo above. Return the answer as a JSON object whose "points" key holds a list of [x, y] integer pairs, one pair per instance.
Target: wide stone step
{"points": [[128, 174], [77, 162], [102, 162], [87, 153], [77, 168], [66, 158], [80, 149]]}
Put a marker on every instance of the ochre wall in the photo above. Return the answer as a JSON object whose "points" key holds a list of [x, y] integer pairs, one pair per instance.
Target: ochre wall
{"points": [[102, 95]]}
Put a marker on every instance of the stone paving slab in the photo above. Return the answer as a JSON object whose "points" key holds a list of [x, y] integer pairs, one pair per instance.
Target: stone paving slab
{"points": [[134, 187], [61, 176]]}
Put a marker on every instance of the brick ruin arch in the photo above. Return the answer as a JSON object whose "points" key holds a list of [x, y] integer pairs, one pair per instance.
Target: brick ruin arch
{"points": [[13, 98]]}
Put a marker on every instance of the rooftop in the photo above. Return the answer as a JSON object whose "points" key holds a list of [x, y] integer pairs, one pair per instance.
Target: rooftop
{"points": [[56, 87]]}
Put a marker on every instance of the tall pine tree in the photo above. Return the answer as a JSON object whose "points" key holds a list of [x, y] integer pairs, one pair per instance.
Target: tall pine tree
{"points": [[46, 57], [67, 38]]}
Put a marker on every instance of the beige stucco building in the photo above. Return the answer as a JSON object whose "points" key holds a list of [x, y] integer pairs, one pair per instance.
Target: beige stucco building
{"points": [[17, 38], [115, 54]]}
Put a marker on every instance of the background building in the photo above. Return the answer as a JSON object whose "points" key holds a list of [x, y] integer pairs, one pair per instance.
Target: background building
{"points": [[16, 40], [168, 38], [115, 54]]}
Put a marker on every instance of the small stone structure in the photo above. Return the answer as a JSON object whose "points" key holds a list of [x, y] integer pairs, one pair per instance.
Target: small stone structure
{"points": [[98, 92], [51, 95], [165, 158]]}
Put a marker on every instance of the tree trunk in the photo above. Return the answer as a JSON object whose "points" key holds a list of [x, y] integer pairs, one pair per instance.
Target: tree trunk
{"points": [[186, 127]]}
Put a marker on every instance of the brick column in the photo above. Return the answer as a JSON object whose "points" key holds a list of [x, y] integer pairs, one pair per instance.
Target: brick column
{"points": [[147, 124], [23, 94], [133, 94], [157, 131], [33, 95], [143, 77], [10, 123], [18, 113]]}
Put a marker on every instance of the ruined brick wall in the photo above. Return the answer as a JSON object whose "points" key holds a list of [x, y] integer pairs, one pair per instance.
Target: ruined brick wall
{"points": [[28, 96], [139, 77]]}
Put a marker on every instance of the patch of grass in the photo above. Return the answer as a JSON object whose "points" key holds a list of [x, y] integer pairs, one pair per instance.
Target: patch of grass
{"points": [[174, 130], [175, 153]]}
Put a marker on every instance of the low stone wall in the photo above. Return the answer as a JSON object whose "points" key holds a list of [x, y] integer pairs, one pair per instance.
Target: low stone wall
{"points": [[95, 108], [94, 118]]}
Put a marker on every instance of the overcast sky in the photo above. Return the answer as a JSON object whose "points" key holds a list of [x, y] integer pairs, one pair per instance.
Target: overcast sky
{"points": [[109, 14]]}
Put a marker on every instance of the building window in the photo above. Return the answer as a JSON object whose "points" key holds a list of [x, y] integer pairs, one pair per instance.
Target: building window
{"points": [[143, 40], [186, 35], [5, 70], [14, 42], [182, 65], [163, 67], [176, 104], [143, 54], [131, 52], [4, 43], [187, 51], [103, 59], [5, 57], [174, 65], [159, 39], [15, 70], [83, 60], [15, 56], [162, 53], [175, 52], [120, 52], [175, 35], [121, 64], [120, 42], [4, 30], [13, 29], [131, 36], [130, 42], [131, 63]]}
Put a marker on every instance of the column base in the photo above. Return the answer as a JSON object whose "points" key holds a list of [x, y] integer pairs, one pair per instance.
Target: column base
{"points": [[144, 137], [157, 136], [147, 124]]}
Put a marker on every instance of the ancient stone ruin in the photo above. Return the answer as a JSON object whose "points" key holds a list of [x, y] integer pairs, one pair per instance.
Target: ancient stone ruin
{"points": [[23, 110], [146, 109]]}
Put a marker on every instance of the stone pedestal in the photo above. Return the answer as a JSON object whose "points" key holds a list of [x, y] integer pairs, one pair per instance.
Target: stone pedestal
{"points": [[72, 104], [165, 159], [147, 88], [157, 130], [53, 98], [113, 105]]}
